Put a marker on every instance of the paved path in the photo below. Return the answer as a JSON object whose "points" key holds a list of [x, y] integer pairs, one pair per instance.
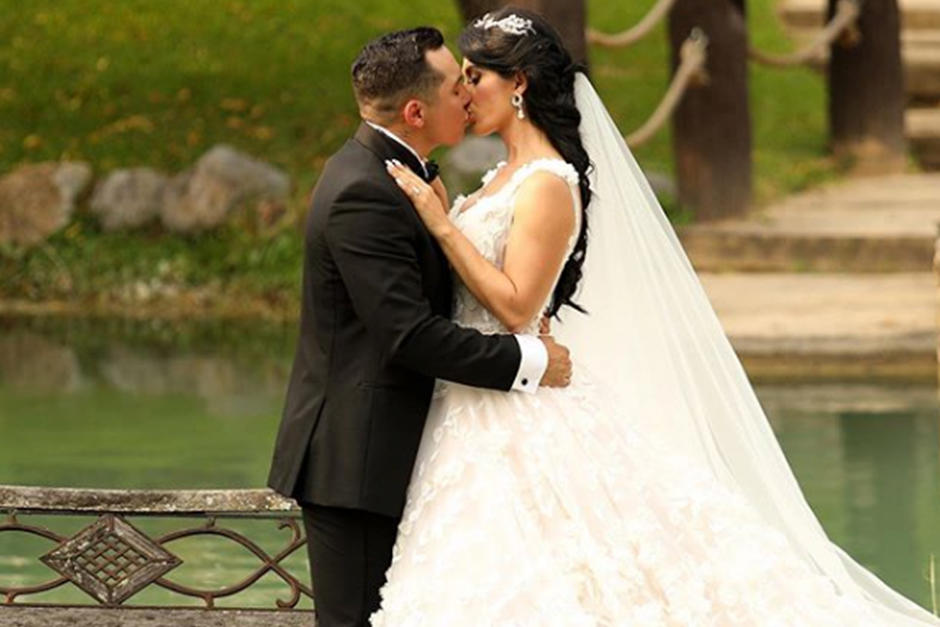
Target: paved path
{"points": [[864, 299], [884, 224], [850, 314]]}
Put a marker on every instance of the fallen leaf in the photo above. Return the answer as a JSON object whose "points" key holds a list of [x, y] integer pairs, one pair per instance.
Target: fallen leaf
{"points": [[32, 142], [263, 133], [234, 104]]}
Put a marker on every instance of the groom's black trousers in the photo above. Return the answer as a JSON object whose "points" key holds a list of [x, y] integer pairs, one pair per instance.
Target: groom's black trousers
{"points": [[350, 550]]}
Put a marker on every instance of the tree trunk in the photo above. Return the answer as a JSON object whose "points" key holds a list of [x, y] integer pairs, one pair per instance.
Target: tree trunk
{"points": [[712, 124], [569, 17], [866, 91], [472, 9]]}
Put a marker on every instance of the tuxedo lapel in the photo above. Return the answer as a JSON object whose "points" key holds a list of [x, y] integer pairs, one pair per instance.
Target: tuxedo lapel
{"points": [[387, 148]]}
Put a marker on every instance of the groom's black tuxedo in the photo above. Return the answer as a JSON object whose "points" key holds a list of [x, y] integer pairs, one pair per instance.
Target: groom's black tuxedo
{"points": [[374, 334]]}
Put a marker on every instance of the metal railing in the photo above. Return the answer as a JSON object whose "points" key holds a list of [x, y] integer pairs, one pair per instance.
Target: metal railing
{"points": [[112, 560]]}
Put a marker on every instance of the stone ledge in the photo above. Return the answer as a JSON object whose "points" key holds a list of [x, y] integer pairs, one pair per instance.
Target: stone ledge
{"points": [[27, 616], [915, 14], [33, 498], [715, 250]]}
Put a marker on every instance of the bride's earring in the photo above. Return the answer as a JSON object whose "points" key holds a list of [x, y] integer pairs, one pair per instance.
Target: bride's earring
{"points": [[517, 103]]}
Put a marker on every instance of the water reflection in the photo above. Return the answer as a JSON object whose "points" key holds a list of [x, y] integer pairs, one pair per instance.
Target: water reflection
{"points": [[867, 459], [149, 404], [229, 373]]}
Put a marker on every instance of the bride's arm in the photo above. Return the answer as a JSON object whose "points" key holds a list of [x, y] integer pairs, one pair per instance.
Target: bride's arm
{"points": [[543, 220]]}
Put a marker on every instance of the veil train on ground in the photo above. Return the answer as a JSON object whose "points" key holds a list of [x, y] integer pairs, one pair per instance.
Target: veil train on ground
{"points": [[652, 336]]}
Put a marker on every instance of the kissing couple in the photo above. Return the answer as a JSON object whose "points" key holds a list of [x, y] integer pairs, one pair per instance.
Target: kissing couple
{"points": [[454, 464]]}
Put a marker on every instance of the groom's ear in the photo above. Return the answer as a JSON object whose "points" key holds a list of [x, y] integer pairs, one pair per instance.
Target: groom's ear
{"points": [[413, 113]]}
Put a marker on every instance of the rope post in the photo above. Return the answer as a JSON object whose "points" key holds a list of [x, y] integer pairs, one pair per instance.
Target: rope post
{"points": [[841, 29], [632, 35], [866, 91], [568, 17], [691, 73], [712, 123]]}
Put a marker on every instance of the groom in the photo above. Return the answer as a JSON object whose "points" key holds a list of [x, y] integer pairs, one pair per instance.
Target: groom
{"points": [[375, 330]]}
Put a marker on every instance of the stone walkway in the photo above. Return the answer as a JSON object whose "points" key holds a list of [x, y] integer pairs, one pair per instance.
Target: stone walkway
{"points": [[857, 314], [834, 282], [885, 224]]}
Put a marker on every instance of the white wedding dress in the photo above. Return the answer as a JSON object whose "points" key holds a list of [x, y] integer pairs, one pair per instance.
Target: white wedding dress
{"points": [[555, 509]]}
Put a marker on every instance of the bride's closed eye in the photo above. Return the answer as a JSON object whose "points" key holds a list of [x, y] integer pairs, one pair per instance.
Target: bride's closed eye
{"points": [[472, 77]]}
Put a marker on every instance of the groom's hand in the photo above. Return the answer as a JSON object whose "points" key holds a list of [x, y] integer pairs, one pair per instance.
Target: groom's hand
{"points": [[558, 372]]}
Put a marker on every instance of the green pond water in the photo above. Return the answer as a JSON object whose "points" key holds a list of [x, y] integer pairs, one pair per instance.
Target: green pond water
{"points": [[118, 404]]}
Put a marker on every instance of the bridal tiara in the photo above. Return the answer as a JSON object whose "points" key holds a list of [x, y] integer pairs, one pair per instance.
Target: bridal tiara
{"points": [[512, 24]]}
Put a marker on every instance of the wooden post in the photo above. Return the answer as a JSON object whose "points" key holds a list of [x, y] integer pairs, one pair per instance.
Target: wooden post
{"points": [[569, 17], [472, 9], [712, 124], [866, 91]]}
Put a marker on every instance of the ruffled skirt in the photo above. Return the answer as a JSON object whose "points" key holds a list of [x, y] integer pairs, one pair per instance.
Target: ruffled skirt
{"points": [[550, 509]]}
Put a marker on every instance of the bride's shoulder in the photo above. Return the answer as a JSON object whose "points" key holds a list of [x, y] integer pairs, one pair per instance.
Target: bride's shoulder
{"points": [[492, 172], [555, 167]]}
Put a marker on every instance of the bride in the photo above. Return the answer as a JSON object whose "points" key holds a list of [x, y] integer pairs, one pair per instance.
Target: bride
{"points": [[651, 491]]}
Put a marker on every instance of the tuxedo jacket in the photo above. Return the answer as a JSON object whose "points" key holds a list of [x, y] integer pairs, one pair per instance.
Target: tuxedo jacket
{"points": [[374, 334]]}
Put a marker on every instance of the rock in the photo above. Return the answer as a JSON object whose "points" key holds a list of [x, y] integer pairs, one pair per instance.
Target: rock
{"points": [[476, 154], [469, 160], [38, 200], [134, 372], [221, 182], [662, 184], [922, 127], [129, 198], [31, 362]]}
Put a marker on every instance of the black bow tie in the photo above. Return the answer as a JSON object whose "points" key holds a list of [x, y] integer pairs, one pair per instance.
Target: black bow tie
{"points": [[432, 169]]}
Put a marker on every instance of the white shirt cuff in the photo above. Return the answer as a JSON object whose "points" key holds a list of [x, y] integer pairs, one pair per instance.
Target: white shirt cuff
{"points": [[532, 365]]}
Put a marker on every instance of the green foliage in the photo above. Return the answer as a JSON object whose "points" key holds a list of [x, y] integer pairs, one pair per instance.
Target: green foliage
{"points": [[122, 84]]}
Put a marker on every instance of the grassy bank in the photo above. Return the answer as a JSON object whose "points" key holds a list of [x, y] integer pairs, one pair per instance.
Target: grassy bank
{"points": [[131, 83]]}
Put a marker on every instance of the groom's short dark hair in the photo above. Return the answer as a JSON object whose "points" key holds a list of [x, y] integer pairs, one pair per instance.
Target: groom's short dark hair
{"points": [[391, 69]]}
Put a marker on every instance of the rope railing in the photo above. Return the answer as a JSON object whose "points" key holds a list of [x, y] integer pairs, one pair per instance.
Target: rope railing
{"points": [[634, 34], [842, 24], [691, 71]]}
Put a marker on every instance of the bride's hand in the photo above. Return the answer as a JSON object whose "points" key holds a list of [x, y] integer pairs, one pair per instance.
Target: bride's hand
{"points": [[424, 197], [545, 325]]}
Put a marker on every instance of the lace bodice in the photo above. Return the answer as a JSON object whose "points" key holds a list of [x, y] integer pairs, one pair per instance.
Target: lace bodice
{"points": [[486, 224]]}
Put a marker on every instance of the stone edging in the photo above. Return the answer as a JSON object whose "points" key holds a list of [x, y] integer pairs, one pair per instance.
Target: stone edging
{"points": [[36, 499]]}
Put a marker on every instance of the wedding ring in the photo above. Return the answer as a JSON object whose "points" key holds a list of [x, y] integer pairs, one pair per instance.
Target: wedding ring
{"points": [[416, 190]]}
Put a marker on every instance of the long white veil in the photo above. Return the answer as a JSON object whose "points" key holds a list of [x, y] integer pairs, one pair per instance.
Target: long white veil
{"points": [[653, 337]]}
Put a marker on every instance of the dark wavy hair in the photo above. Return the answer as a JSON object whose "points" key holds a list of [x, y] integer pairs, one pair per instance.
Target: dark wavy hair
{"points": [[550, 105]]}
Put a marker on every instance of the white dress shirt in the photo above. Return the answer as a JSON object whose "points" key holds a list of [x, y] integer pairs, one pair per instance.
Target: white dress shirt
{"points": [[534, 354]]}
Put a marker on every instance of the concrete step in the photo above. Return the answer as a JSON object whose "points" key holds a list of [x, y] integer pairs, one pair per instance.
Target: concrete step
{"points": [[884, 224], [920, 39], [921, 58], [922, 72], [840, 326], [810, 14], [922, 127]]}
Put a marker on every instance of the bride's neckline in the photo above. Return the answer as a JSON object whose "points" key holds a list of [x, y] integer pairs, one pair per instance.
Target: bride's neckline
{"points": [[507, 185]]}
